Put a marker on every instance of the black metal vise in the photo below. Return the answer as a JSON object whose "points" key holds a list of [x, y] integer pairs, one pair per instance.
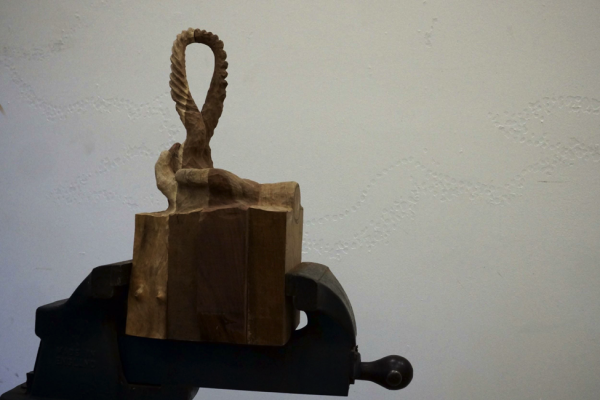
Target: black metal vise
{"points": [[84, 353]]}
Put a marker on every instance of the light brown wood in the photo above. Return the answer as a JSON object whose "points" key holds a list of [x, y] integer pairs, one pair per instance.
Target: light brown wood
{"points": [[199, 125], [168, 162], [212, 187], [211, 267], [275, 239], [147, 302]]}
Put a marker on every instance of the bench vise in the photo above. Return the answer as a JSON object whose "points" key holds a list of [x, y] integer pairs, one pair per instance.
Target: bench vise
{"points": [[85, 354]]}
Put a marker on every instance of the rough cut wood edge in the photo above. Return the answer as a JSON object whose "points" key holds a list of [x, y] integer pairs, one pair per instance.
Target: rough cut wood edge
{"points": [[275, 247], [283, 194], [266, 279], [147, 299]]}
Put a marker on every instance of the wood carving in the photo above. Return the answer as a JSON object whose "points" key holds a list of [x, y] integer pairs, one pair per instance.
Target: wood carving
{"points": [[211, 267], [200, 126]]}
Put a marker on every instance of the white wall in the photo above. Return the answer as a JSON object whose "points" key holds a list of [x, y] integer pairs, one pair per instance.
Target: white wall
{"points": [[448, 155]]}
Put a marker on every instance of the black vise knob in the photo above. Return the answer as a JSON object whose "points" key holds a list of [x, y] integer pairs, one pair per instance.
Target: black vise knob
{"points": [[391, 372]]}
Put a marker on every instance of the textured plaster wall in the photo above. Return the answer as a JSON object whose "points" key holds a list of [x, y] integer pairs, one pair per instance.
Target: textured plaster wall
{"points": [[448, 155]]}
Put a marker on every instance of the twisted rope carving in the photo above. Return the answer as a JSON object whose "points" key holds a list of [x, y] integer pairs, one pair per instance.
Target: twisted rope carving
{"points": [[199, 125]]}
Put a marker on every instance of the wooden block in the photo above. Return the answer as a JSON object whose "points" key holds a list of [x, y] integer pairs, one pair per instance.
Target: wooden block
{"points": [[222, 290], [147, 302], [181, 307], [227, 275], [207, 276]]}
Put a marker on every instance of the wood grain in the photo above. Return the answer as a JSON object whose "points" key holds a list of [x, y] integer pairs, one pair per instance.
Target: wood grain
{"points": [[227, 275], [183, 252], [208, 273], [273, 250], [147, 300]]}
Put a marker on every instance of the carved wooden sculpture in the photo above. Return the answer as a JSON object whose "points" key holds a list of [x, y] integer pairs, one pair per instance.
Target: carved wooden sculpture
{"points": [[211, 267], [215, 266]]}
